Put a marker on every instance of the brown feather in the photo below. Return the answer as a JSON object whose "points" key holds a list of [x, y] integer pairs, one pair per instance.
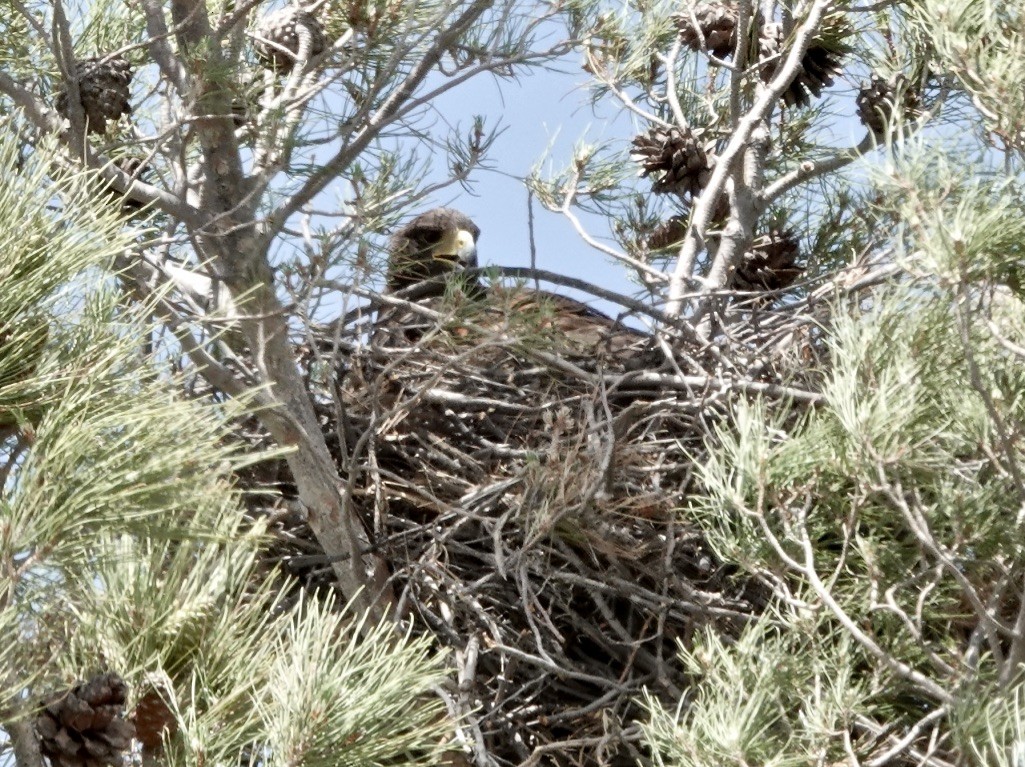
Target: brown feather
{"points": [[547, 321], [410, 251]]}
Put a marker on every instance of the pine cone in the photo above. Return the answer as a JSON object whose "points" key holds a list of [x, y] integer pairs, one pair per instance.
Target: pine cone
{"points": [[247, 101], [154, 720], [770, 264], [241, 113], [84, 726], [717, 24], [876, 102], [821, 63], [668, 234], [676, 161], [277, 44], [103, 90]]}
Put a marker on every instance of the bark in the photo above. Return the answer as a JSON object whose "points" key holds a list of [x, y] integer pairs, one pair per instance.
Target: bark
{"points": [[25, 742], [231, 238]]}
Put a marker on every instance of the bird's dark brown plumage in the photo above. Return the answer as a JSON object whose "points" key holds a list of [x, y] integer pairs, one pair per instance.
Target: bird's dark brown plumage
{"points": [[423, 255], [412, 251]]}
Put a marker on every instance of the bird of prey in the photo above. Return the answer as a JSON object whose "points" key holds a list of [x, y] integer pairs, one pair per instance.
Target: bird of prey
{"points": [[437, 251], [430, 248]]}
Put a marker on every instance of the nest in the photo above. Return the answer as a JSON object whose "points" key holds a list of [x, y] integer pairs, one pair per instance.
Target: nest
{"points": [[527, 499]]}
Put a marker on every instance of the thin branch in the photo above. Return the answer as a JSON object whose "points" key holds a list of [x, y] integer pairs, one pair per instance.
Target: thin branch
{"points": [[709, 198], [47, 121], [901, 744], [745, 12], [566, 210], [985, 394], [894, 490], [811, 169], [808, 571], [26, 743], [33, 108], [329, 170], [160, 49], [672, 93], [625, 98]]}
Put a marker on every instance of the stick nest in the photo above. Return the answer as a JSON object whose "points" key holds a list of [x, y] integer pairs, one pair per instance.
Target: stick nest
{"points": [[527, 499]]}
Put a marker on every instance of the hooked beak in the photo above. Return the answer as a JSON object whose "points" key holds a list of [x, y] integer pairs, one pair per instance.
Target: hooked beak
{"points": [[457, 248]]}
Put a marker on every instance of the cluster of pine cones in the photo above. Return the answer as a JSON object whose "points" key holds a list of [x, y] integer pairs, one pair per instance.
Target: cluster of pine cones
{"points": [[680, 162], [103, 81], [85, 725], [712, 27]]}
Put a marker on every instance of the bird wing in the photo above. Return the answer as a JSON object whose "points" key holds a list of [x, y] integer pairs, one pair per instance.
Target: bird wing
{"points": [[572, 326]]}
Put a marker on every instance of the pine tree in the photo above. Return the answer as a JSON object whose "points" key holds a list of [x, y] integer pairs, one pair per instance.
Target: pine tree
{"points": [[783, 527], [136, 620], [882, 514]]}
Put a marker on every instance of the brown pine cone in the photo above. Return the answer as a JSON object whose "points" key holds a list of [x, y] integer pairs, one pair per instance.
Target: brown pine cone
{"points": [[771, 263], [676, 161], [278, 38], [85, 726], [877, 99], [821, 63], [716, 31], [668, 234], [102, 89], [153, 720]]}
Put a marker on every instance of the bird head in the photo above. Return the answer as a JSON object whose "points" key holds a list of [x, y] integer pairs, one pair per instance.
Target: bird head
{"points": [[431, 247], [457, 247]]}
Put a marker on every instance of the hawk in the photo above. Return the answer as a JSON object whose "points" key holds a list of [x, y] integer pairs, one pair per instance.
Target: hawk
{"points": [[430, 248], [435, 255]]}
